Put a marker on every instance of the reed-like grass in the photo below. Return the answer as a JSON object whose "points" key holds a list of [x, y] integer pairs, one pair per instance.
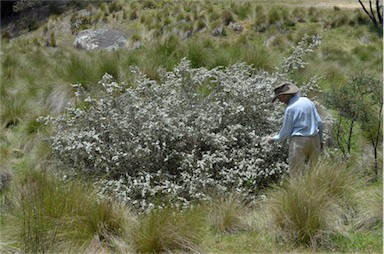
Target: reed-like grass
{"points": [[308, 210], [260, 58], [299, 13], [52, 215], [366, 224], [299, 212], [77, 69], [169, 230], [275, 14], [12, 111], [44, 214], [196, 53], [108, 65], [227, 214], [243, 11]]}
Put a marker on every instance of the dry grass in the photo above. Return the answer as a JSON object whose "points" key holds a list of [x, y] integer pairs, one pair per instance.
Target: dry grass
{"points": [[227, 213], [307, 211], [30, 70], [169, 230], [46, 214]]}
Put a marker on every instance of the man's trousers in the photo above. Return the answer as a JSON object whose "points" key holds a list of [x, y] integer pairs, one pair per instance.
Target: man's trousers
{"points": [[302, 151]]}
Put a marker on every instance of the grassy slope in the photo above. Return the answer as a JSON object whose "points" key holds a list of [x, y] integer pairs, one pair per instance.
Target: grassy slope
{"points": [[35, 79]]}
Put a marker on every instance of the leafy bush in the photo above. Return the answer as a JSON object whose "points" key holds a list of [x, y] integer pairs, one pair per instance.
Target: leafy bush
{"points": [[194, 133]]}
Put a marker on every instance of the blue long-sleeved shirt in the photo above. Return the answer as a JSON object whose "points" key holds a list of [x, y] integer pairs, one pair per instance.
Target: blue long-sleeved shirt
{"points": [[300, 119]]}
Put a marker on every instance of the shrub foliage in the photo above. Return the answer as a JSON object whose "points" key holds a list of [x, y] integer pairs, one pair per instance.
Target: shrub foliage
{"points": [[193, 133]]}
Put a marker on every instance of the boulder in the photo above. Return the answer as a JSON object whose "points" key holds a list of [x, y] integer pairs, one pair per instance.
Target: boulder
{"points": [[107, 39]]}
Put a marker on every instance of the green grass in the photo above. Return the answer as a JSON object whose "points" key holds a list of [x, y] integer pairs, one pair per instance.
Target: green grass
{"points": [[169, 230], [326, 211], [51, 215], [367, 241], [40, 213], [307, 211], [227, 213]]}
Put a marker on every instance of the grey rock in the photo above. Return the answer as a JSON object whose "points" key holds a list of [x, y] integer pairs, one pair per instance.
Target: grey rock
{"points": [[218, 31], [238, 28], [107, 39]]}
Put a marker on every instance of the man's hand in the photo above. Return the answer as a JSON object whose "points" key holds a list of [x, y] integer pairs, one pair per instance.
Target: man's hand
{"points": [[270, 139]]}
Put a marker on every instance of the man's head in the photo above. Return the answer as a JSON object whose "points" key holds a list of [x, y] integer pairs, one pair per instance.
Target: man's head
{"points": [[285, 91]]}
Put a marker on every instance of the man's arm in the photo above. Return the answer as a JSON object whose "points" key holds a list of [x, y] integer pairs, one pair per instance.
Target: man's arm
{"points": [[286, 129]]}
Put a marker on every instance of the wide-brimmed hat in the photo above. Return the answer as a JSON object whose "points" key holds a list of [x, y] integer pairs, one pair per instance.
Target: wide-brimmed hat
{"points": [[285, 88]]}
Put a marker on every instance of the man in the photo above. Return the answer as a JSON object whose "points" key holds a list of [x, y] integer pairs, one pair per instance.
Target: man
{"points": [[302, 125]]}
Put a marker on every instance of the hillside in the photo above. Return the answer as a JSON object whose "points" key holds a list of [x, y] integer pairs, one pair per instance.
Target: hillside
{"points": [[48, 207]]}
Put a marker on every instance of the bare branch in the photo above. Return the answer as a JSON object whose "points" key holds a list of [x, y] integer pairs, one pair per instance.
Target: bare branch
{"points": [[373, 14], [366, 11], [379, 9]]}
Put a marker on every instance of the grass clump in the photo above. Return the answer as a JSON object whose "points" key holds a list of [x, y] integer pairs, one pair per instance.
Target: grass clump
{"points": [[12, 111], [298, 212], [309, 210], [52, 215], [169, 230], [227, 17], [227, 213]]}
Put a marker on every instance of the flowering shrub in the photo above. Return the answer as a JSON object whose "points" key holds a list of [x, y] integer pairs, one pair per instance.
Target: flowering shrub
{"points": [[193, 133]]}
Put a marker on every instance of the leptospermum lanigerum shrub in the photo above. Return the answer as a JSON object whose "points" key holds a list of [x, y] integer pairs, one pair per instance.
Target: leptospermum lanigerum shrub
{"points": [[194, 133]]}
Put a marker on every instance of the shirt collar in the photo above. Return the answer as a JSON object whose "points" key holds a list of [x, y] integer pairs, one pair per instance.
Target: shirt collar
{"points": [[293, 99]]}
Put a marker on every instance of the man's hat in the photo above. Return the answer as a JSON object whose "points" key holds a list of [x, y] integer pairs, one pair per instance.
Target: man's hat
{"points": [[285, 88]]}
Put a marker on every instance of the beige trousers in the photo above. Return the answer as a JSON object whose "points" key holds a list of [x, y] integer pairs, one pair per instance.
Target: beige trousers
{"points": [[302, 151]]}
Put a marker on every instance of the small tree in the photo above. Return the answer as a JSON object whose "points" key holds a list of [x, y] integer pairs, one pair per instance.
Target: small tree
{"points": [[343, 99], [372, 116], [358, 102]]}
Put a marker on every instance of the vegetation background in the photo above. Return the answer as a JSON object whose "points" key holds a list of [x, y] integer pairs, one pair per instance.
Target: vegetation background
{"points": [[41, 213]]}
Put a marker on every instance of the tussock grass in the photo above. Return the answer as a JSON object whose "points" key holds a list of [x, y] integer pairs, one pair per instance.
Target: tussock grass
{"points": [[227, 213], [275, 14], [108, 65], [308, 210], [12, 111], [227, 17], [196, 53], [77, 69], [52, 215], [214, 16], [365, 225], [169, 230], [359, 18], [259, 57], [43, 214], [243, 11], [299, 13], [5, 150], [298, 212]]}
